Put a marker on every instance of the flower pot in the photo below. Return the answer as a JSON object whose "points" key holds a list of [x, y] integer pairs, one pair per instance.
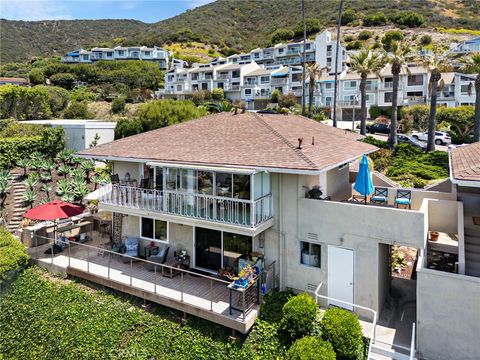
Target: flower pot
{"points": [[434, 235]]}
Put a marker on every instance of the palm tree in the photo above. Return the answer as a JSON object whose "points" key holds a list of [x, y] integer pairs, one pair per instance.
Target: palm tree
{"points": [[471, 64], [398, 58], [364, 63], [435, 64], [313, 72]]}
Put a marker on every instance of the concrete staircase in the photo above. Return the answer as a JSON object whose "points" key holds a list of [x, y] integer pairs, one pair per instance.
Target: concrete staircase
{"points": [[383, 351], [17, 189]]}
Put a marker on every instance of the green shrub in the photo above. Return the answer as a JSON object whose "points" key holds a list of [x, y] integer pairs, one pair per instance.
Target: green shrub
{"points": [[375, 19], [218, 94], [64, 80], [365, 35], [271, 309], [36, 76], [408, 18], [127, 127], [460, 119], [312, 27], [376, 111], [426, 40], [82, 94], [12, 253], [355, 45], [281, 35], [262, 343], [118, 105], [200, 96], [373, 141], [276, 94], [57, 98], [77, 110], [311, 348], [342, 329], [348, 38], [287, 100], [299, 317], [348, 17], [392, 35]]}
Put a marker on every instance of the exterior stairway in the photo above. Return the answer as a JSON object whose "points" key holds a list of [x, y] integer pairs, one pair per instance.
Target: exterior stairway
{"points": [[17, 189]]}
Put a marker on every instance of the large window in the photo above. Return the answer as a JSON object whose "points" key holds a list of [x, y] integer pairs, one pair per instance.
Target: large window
{"points": [[415, 80], [224, 184], [310, 254], [154, 229], [388, 96]]}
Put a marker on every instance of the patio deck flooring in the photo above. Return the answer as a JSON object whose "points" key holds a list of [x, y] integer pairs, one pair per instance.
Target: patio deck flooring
{"points": [[205, 294]]}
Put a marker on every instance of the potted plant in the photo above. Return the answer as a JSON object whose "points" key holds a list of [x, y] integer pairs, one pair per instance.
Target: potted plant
{"points": [[434, 235]]}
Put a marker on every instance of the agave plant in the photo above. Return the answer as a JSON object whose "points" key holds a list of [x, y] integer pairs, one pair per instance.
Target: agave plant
{"points": [[47, 188], [76, 161], [78, 173], [36, 155], [43, 201], [63, 187], [45, 177], [97, 179], [88, 166], [30, 182], [63, 170], [4, 186], [24, 163], [65, 156], [30, 196], [68, 197], [36, 164], [48, 166], [80, 191]]}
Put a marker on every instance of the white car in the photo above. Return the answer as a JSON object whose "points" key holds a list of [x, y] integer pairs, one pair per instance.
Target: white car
{"points": [[441, 138]]}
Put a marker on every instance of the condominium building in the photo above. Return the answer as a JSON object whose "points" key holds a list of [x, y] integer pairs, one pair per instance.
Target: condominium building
{"points": [[155, 53], [466, 47]]}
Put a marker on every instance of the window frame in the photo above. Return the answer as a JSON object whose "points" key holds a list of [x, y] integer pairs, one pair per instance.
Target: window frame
{"points": [[153, 239], [310, 252]]}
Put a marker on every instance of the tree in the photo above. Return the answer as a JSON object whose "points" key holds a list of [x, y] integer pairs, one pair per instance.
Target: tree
{"points": [[435, 64], [471, 64], [77, 110], [398, 58], [375, 19], [64, 80], [314, 72], [365, 63], [36, 76], [348, 17], [118, 105], [280, 35], [312, 26], [409, 18], [218, 94]]}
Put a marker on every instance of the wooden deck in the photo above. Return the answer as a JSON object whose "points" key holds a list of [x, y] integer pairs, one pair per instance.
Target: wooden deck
{"points": [[205, 297]]}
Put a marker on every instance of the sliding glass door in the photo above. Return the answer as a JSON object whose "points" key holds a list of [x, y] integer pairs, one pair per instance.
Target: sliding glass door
{"points": [[208, 249]]}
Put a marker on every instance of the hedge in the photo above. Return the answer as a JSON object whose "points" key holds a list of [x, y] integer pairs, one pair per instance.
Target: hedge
{"points": [[311, 348], [299, 317], [12, 254], [13, 149]]}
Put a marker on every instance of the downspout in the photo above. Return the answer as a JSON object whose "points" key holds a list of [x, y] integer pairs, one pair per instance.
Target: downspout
{"points": [[281, 235]]}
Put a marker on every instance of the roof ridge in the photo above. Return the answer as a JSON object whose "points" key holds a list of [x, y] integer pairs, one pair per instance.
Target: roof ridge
{"points": [[285, 140]]}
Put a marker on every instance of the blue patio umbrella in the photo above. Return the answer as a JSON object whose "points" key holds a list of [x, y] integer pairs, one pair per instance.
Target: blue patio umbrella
{"points": [[363, 183]]}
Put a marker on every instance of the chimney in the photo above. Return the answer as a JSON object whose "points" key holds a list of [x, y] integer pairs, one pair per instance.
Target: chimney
{"points": [[300, 141], [313, 140]]}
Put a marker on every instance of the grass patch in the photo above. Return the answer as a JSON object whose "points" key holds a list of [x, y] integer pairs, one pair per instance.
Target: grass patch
{"points": [[193, 51], [459, 31]]}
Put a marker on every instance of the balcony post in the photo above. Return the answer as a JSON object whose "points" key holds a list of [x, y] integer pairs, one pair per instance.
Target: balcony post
{"points": [[109, 260], [131, 270], [181, 289], [88, 259]]}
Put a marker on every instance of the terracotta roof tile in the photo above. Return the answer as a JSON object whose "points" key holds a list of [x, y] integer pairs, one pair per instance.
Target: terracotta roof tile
{"points": [[245, 140], [465, 162]]}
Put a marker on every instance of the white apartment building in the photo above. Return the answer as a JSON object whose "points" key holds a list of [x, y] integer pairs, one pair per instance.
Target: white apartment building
{"points": [[155, 53], [468, 46], [321, 50]]}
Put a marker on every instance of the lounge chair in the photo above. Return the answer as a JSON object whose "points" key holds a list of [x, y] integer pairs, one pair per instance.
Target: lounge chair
{"points": [[380, 196], [404, 198], [158, 258], [130, 248]]}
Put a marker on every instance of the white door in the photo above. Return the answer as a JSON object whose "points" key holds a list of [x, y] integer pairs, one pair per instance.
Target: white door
{"points": [[340, 276]]}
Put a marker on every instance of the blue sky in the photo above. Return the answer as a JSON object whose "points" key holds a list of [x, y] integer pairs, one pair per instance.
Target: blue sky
{"points": [[144, 10]]}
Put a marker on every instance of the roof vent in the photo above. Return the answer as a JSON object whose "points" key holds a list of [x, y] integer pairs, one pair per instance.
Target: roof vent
{"points": [[313, 140], [312, 236], [300, 141]]}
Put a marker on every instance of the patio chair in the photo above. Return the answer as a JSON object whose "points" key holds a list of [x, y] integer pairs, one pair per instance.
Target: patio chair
{"points": [[158, 258], [115, 179], [130, 248], [380, 196], [358, 199], [404, 197]]}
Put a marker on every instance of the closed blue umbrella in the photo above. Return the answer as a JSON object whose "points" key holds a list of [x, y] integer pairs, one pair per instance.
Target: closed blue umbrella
{"points": [[363, 183]]}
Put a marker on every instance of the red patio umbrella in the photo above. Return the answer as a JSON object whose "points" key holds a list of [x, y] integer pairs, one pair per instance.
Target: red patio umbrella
{"points": [[53, 210]]}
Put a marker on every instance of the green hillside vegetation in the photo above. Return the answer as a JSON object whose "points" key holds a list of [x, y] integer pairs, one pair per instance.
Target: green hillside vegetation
{"points": [[230, 25]]}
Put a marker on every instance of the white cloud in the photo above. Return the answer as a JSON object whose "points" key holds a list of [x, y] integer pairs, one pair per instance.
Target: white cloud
{"points": [[130, 4], [34, 10]]}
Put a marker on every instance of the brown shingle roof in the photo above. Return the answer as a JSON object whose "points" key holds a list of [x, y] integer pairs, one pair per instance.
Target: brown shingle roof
{"points": [[465, 162], [245, 140]]}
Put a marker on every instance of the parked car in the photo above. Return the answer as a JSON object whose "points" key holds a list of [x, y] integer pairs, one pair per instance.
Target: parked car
{"points": [[378, 128], [441, 138], [404, 139]]}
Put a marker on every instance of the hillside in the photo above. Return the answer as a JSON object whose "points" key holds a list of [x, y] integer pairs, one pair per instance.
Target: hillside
{"points": [[231, 25]]}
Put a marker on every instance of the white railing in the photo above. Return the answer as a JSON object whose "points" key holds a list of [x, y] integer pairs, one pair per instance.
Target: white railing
{"points": [[412, 343], [354, 306], [249, 213]]}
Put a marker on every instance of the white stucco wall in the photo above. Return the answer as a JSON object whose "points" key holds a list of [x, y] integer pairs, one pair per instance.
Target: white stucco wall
{"points": [[448, 316]]}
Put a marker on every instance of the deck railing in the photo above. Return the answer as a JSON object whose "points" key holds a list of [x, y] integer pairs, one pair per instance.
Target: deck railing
{"points": [[262, 283], [249, 213]]}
